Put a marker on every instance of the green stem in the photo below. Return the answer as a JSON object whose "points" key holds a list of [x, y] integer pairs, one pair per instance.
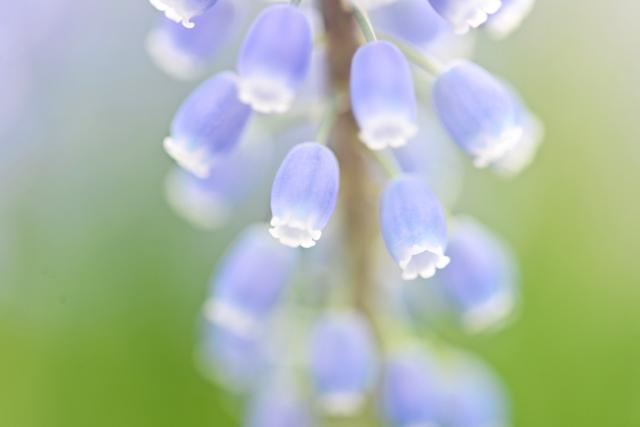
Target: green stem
{"points": [[364, 23], [387, 162], [419, 58], [295, 2]]}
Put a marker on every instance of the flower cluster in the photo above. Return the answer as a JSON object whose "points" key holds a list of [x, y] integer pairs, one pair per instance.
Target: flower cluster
{"points": [[305, 315]]}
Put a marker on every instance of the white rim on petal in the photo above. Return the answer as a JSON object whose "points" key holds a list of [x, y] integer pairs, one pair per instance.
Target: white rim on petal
{"points": [[474, 14], [423, 261], [195, 161], [342, 404], [490, 314], [294, 233], [265, 95], [387, 131], [496, 149], [229, 317], [172, 13], [170, 58], [509, 18]]}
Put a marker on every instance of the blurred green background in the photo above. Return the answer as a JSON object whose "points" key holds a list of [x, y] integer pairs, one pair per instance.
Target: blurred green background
{"points": [[101, 284]]}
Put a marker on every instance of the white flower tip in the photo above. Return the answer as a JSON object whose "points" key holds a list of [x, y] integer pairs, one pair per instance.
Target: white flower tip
{"points": [[170, 58], [423, 261], [497, 149], [477, 15], [387, 131], [491, 314], [229, 317], [342, 404], [294, 233], [194, 161], [265, 95], [173, 13]]}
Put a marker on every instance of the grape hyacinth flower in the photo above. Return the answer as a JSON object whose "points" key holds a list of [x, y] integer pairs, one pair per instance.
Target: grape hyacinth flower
{"points": [[480, 281], [182, 11], [304, 194], [478, 111], [342, 361], [509, 17], [414, 227], [382, 95], [207, 125], [250, 281], [411, 390], [185, 53], [279, 405], [274, 59], [466, 14]]}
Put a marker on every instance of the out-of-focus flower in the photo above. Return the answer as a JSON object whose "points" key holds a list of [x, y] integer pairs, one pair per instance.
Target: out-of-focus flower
{"points": [[465, 14], [185, 53], [509, 17], [182, 11], [414, 227], [304, 194], [478, 111], [481, 279], [474, 395], [207, 125], [250, 280], [411, 390], [274, 59], [342, 361], [382, 95], [279, 405]]}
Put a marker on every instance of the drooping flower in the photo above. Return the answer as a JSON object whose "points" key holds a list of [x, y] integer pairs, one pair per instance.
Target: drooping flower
{"points": [[411, 390], [478, 111], [509, 17], [342, 361], [208, 124], [182, 11], [250, 280], [304, 194], [466, 14], [274, 59], [185, 53], [414, 227], [474, 395], [480, 281], [382, 95]]}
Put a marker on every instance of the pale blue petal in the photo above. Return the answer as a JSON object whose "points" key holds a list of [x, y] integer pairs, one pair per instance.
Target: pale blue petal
{"points": [[465, 14], [182, 11]]}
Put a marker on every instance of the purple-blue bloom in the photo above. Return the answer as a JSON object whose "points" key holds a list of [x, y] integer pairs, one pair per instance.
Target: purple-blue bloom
{"points": [[182, 11], [414, 227], [185, 53], [304, 194], [274, 59], [250, 280], [480, 281], [382, 95], [342, 361], [412, 390], [208, 124], [478, 111], [279, 405], [465, 14], [509, 17]]}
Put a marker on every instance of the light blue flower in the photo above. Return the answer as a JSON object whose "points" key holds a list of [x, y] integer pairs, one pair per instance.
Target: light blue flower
{"points": [[412, 390], [509, 17], [474, 395], [250, 280], [274, 59], [342, 361], [465, 14], [207, 125], [480, 281], [304, 194], [382, 95], [414, 227], [185, 53], [478, 111], [278, 405], [182, 11]]}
